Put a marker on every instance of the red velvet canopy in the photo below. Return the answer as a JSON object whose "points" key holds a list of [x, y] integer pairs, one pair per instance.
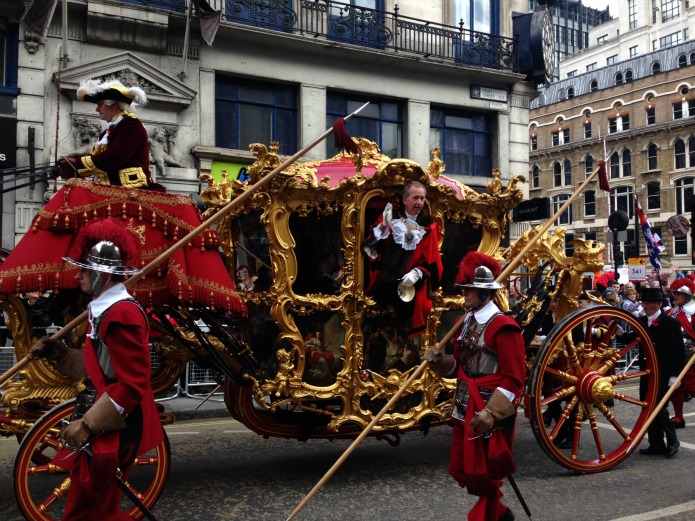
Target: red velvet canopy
{"points": [[194, 274]]}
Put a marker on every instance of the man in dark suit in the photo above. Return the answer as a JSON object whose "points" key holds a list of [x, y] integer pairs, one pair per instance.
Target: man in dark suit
{"points": [[665, 333]]}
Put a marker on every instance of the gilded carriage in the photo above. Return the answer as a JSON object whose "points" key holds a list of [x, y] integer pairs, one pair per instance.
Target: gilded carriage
{"points": [[315, 356]]}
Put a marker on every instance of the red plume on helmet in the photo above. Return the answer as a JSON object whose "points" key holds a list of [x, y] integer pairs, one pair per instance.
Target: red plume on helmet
{"points": [[111, 230], [686, 286], [471, 262]]}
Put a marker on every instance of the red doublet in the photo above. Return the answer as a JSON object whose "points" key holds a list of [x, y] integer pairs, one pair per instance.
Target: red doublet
{"points": [[128, 147], [688, 381], [93, 491], [480, 464]]}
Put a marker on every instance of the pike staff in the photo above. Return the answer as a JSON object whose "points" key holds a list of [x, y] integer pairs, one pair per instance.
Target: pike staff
{"points": [[600, 169], [343, 140]]}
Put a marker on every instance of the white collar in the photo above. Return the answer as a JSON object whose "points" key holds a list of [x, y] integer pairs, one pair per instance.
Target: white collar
{"points": [[485, 313], [411, 217], [652, 318]]}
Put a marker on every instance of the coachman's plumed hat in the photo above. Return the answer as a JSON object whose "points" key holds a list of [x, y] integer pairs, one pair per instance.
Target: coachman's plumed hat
{"points": [[110, 89], [478, 270]]}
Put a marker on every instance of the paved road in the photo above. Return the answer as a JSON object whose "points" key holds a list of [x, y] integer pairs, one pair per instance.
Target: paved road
{"points": [[221, 471]]}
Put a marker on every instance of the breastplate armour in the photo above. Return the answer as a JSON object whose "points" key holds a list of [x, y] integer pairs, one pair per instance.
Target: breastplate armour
{"points": [[477, 359]]}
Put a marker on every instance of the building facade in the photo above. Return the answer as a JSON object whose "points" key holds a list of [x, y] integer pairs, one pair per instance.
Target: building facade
{"points": [[442, 73], [637, 113], [572, 22]]}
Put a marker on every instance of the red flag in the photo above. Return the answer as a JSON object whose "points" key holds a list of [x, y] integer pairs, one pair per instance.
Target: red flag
{"points": [[603, 177]]}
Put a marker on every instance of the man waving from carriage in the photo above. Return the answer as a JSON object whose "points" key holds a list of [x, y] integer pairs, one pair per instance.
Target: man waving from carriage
{"points": [[405, 265]]}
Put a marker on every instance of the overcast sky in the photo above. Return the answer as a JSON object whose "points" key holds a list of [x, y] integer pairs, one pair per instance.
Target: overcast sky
{"points": [[596, 4]]}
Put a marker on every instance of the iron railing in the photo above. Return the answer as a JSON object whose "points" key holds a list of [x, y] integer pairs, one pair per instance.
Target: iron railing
{"points": [[364, 27]]}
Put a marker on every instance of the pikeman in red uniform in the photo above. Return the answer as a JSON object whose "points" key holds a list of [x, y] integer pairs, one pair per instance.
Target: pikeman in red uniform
{"points": [[683, 309], [123, 420], [490, 363], [121, 157]]}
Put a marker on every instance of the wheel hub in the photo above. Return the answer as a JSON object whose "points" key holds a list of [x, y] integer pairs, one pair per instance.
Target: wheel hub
{"points": [[594, 387]]}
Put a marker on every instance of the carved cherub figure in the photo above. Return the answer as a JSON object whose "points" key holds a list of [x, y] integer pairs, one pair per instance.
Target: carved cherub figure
{"points": [[159, 150]]}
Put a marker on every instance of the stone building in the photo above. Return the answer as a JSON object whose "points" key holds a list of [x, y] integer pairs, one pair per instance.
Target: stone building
{"points": [[441, 73], [638, 113]]}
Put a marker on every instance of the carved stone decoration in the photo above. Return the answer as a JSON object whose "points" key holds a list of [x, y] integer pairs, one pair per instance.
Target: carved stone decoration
{"points": [[131, 78], [86, 132], [32, 41], [161, 144], [163, 91]]}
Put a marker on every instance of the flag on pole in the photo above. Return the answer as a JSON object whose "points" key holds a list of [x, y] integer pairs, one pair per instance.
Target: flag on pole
{"points": [[210, 20], [603, 177], [652, 239]]}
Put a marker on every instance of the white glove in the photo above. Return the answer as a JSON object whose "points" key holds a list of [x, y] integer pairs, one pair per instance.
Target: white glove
{"points": [[388, 215], [410, 278], [672, 380]]}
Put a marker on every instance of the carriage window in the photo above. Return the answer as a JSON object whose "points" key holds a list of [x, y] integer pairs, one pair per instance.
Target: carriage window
{"points": [[319, 252], [459, 239], [323, 337], [252, 258], [386, 349]]}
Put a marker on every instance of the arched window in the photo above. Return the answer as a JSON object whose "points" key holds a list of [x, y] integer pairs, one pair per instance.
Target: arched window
{"points": [[651, 157], [561, 95], [536, 177], [692, 58], [570, 92], [619, 79], [589, 165], [679, 148], [593, 86], [615, 165], [557, 175], [621, 199], [682, 61], [691, 151], [653, 195], [589, 203], [628, 76], [656, 68], [684, 190], [627, 163], [568, 172], [566, 217]]}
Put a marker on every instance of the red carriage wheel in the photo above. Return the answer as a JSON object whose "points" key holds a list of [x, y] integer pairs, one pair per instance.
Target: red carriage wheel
{"points": [[572, 380], [41, 486]]}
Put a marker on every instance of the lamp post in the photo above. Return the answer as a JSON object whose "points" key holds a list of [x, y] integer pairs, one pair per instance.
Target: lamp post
{"points": [[617, 222]]}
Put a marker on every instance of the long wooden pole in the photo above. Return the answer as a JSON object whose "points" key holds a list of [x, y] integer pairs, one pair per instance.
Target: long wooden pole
{"points": [[502, 276], [660, 405], [185, 240]]}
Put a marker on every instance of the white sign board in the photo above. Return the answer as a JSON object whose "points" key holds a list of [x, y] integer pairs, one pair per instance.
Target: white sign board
{"points": [[637, 269]]}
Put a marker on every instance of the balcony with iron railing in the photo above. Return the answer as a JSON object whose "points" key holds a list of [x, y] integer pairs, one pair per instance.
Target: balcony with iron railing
{"points": [[364, 27]]}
